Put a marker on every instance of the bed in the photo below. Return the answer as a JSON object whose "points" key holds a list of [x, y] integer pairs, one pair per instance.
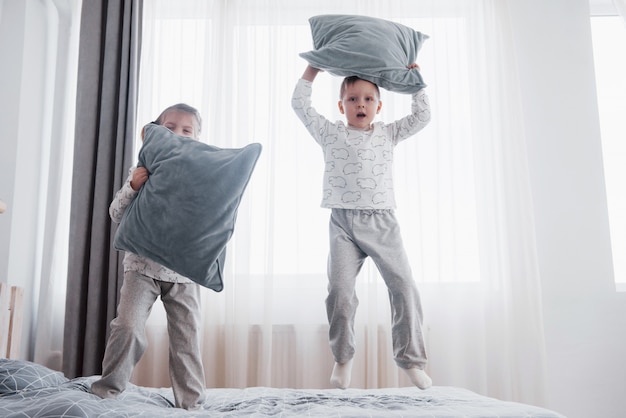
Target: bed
{"points": [[31, 390]]}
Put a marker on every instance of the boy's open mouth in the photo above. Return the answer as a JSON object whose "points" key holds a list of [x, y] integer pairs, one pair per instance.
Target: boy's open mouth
{"points": [[360, 115]]}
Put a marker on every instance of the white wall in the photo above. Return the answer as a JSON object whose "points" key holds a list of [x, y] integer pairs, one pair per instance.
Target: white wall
{"points": [[22, 39], [36, 96], [585, 318]]}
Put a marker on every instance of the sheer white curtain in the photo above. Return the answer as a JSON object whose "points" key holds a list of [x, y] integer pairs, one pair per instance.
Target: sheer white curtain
{"points": [[58, 107], [462, 191]]}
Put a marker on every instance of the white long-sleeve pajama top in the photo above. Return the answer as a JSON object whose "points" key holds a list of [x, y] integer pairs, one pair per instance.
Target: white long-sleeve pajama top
{"points": [[359, 163]]}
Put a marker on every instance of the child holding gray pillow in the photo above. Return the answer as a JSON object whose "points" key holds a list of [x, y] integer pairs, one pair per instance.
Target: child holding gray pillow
{"points": [[146, 280], [358, 188]]}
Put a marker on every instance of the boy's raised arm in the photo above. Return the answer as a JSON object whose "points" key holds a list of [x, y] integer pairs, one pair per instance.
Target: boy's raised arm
{"points": [[310, 73]]}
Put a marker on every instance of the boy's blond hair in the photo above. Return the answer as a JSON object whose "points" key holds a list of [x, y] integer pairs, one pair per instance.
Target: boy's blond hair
{"points": [[348, 81]]}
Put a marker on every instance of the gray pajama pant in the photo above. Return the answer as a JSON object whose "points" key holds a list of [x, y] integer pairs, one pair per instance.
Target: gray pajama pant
{"points": [[127, 341], [355, 235]]}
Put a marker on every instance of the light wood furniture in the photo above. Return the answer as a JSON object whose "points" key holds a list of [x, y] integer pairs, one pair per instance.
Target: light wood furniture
{"points": [[11, 299]]}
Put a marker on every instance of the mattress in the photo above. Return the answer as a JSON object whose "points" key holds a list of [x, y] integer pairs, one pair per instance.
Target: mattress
{"points": [[31, 390]]}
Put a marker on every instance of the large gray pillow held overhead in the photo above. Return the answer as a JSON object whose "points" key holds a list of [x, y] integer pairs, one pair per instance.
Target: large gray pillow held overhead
{"points": [[373, 49], [184, 215]]}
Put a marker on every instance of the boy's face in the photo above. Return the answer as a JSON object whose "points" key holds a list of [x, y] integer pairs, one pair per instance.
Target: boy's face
{"points": [[181, 123], [360, 104]]}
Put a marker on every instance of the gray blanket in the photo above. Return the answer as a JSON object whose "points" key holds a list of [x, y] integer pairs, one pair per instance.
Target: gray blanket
{"points": [[30, 390]]}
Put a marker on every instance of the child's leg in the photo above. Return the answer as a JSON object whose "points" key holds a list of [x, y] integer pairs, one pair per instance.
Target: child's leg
{"points": [[386, 249], [127, 340], [345, 260], [184, 324]]}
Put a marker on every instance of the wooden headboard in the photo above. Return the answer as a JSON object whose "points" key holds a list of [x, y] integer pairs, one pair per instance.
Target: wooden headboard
{"points": [[11, 298]]}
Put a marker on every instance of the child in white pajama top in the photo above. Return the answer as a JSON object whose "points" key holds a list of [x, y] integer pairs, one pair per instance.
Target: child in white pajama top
{"points": [[146, 280], [358, 188]]}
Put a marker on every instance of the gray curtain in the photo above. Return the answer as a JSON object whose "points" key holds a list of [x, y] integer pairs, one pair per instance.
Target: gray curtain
{"points": [[108, 70]]}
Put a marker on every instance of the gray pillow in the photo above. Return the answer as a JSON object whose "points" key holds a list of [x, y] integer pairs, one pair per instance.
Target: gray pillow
{"points": [[17, 375], [373, 49], [184, 215]]}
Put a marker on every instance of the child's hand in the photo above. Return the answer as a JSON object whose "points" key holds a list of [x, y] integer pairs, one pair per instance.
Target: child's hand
{"points": [[140, 176], [310, 73], [414, 65]]}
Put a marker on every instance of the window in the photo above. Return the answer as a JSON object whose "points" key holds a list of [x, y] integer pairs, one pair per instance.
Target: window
{"points": [[255, 57], [609, 42]]}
